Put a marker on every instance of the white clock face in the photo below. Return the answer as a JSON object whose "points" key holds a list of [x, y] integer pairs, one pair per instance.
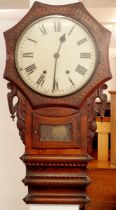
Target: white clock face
{"points": [[56, 56]]}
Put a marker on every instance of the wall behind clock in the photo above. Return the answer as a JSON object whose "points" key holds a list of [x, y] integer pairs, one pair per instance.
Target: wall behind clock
{"points": [[12, 170]]}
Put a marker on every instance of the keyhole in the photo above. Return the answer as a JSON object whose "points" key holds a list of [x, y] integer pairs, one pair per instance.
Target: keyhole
{"points": [[35, 131]]}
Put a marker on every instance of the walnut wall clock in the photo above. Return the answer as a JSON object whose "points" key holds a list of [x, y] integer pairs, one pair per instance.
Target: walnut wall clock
{"points": [[57, 67]]}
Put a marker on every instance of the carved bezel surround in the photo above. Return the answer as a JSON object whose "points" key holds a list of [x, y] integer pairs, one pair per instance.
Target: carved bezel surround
{"points": [[78, 12]]}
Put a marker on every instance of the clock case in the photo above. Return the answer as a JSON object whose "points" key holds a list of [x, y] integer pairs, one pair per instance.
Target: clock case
{"points": [[56, 166]]}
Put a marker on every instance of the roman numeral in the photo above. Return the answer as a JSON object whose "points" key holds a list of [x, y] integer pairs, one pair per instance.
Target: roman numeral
{"points": [[57, 26], [85, 55], [41, 80], [71, 81], [30, 69], [32, 40], [27, 55], [81, 70], [71, 30], [43, 30], [82, 41]]}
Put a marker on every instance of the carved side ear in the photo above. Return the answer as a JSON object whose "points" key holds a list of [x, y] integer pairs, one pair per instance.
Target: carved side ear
{"points": [[10, 96]]}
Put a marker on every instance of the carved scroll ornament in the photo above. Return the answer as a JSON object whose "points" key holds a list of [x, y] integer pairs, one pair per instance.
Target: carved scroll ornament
{"points": [[17, 108], [93, 109]]}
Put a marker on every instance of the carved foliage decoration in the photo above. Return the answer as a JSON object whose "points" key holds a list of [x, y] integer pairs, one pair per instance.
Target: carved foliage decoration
{"points": [[17, 108], [21, 116]]}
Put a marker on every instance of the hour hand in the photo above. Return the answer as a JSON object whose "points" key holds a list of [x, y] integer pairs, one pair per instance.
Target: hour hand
{"points": [[63, 38]]}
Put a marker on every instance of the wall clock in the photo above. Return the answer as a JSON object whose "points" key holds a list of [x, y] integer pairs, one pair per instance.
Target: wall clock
{"points": [[57, 67]]}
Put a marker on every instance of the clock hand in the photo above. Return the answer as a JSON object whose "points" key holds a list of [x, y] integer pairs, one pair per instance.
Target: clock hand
{"points": [[56, 56], [62, 40]]}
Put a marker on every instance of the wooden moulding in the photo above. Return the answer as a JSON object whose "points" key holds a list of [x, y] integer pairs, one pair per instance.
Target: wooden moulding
{"points": [[60, 180], [53, 160]]}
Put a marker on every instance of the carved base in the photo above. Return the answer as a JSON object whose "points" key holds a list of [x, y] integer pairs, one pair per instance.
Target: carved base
{"points": [[56, 182]]}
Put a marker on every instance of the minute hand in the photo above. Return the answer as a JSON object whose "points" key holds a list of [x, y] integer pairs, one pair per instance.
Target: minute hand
{"points": [[56, 56]]}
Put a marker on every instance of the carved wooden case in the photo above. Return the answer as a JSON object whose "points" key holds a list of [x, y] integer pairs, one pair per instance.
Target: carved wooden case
{"points": [[57, 132]]}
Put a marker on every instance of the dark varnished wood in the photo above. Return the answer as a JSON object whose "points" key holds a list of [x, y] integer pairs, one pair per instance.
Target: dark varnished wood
{"points": [[82, 207], [56, 171]]}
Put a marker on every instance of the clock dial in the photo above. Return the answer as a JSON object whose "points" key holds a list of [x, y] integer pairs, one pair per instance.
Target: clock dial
{"points": [[56, 56]]}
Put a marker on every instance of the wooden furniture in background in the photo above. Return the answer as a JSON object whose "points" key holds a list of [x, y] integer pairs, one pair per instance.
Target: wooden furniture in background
{"points": [[102, 190], [103, 130], [113, 127]]}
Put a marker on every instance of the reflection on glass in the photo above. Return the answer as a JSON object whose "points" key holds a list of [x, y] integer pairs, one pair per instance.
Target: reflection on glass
{"points": [[56, 132]]}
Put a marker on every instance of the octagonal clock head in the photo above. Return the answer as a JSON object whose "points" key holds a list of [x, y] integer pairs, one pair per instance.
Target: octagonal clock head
{"points": [[60, 55]]}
